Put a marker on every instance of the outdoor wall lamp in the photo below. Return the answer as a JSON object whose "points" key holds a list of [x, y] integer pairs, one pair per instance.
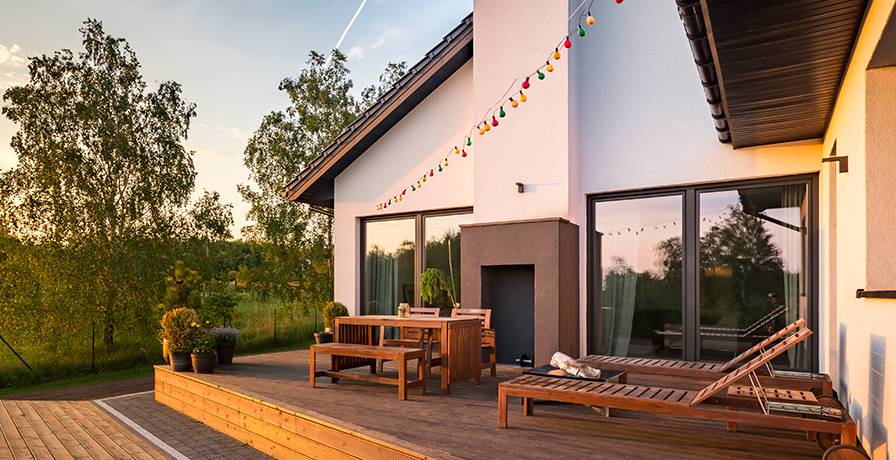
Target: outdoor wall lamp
{"points": [[843, 161], [519, 187]]}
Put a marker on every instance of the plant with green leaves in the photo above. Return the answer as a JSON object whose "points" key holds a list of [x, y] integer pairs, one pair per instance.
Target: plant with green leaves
{"points": [[182, 289], [177, 328], [101, 185], [218, 306], [201, 339], [331, 311], [432, 283], [295, 239]]}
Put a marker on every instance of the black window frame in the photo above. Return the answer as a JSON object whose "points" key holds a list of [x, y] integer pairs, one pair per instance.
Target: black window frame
{"points": [[419, 247], [690, 257]]}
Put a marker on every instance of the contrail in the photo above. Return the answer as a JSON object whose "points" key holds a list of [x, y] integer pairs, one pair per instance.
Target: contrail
{"points": [[345, 32]]}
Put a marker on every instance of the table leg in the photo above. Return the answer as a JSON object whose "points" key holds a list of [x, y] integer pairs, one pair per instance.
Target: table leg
{"points": [[311, 356], [502, 408], [528, 406], [402, 378], [421, 374], [445, 365], [379, 362]]}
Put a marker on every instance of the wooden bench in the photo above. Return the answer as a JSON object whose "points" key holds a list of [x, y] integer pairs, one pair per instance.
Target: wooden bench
{"points": [[372, 352]]}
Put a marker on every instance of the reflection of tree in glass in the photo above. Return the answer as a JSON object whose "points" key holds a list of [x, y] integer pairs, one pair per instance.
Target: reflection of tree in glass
{"points": [[444, 253], [388, 275]]}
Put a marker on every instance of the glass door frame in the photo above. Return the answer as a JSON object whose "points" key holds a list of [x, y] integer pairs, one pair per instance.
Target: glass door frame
{"points": [[691, 260], [419, 247]]}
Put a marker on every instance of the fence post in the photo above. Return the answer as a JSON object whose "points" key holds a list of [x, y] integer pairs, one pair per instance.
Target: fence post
{"points": [[275, 326], [93, 346], [15, 352]]}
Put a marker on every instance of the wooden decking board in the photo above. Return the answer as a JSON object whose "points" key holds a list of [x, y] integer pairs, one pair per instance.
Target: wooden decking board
{"points": [[46, 434], [13, 438], [60, 430], [28, 433], [94, 430], [90, 443], [135, 447]]}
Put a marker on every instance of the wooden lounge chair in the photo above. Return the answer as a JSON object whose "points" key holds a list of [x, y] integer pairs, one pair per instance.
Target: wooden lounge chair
{"points": [[820, 383], [488, 334], [794, 410]]}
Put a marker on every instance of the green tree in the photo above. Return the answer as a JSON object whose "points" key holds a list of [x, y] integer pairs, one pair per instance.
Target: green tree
{"points": [[101, 178], [295, 239]]}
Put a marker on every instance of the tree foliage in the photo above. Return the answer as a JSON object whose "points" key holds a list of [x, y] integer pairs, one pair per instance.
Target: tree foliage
{"points": [[98, 198], [297, 241]]}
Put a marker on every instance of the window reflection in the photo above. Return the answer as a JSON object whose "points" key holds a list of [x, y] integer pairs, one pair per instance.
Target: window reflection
{"points": [[442, 234], [388, 266]]}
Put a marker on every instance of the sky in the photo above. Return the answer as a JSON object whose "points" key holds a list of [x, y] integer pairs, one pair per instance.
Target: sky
{"points": [[229, 57]]}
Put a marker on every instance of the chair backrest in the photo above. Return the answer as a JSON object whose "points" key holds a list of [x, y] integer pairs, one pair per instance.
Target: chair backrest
{"points": [[484, 315], [768, 340], [752, 365], [424, 311]]}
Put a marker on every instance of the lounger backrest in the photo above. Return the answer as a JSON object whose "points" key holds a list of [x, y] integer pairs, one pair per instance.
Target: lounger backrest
{"points": [[752, 365], [768, 340]]}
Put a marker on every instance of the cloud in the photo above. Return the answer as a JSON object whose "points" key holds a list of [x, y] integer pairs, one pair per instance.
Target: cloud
{"points": [[355, 52], [234, 132], [12, 78], [392, 31], [10, 56], [210, 152]]}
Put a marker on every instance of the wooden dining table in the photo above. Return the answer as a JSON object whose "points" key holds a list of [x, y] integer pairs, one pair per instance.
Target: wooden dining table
{"points": [[459, 342]]}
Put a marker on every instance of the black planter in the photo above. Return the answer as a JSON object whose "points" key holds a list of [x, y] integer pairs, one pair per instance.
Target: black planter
{"points": [[225, 353], [323, 337], [204, 363], [180, 361]]}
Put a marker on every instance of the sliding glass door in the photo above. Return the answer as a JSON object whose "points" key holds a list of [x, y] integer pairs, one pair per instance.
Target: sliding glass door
{"points": [[703, 272]]}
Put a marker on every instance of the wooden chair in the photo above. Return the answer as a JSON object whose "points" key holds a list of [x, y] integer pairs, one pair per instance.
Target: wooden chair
{"points": [[488, 334], [762, 406], [820, 383], [410, 336]]}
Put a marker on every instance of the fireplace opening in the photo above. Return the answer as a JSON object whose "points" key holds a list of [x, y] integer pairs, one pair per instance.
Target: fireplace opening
{"points": [[509, 291]]}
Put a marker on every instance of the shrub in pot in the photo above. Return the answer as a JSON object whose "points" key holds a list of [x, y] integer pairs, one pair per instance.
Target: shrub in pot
{"points": [[225, 338], [330, 311], [202, 348], [177, 330]]}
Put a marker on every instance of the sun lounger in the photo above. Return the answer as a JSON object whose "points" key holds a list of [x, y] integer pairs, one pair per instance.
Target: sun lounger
{"points": [[761, 406], [819, 383]]}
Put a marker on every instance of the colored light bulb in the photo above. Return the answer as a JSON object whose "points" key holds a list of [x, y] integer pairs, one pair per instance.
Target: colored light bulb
{"points": [[526, 83], [549, 67], [481, 132], [513, 103], [424, 178], [540, 75], [523, 97], [430, 173], [378, 207], [469, 142], [390, 202], [590, 19], [400, 198], [413, 188], [456, 151], [419, 184], [440, 168], [486, 127], [404, 191], [446, 162], [556, 54], [618, 2], [501, 112], [494, 121], [581, 31], [567, 44], [464, 153]]}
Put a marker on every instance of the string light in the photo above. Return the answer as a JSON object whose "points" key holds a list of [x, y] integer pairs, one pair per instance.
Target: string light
{"points": [[484, 125]]}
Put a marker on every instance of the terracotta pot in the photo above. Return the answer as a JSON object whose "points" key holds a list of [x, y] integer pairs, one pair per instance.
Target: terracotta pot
{"points": [[165, 351], [323, 337], [204, 363], [180, 360], [225, 353]]}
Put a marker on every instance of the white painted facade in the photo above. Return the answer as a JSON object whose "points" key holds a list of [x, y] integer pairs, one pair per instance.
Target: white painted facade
{"points": [[624, 110]]}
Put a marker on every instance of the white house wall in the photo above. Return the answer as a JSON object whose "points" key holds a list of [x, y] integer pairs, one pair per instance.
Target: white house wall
{"points": [[413, 146], [858, 244]]}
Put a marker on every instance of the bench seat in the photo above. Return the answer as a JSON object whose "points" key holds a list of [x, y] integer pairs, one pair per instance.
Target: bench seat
{"points": [[372, 352]]}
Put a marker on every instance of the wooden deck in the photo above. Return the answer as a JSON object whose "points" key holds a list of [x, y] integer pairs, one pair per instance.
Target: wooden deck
{"points": [[464, 423], [65, 430]]}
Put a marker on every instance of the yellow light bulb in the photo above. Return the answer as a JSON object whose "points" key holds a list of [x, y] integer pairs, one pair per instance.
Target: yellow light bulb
{"points": [[523, 97], [487, 127], [549, 68], [556, 54], [590, 20]]}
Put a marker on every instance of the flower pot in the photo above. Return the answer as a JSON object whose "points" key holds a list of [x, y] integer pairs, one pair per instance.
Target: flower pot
{"points": [[165, 351], [180, 360], [204, 363], [323, 337], [225, 353]]}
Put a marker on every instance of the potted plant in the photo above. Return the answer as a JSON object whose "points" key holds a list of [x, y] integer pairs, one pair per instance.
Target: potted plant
{"points": [[330, 311], [432, 283], [202, 348], [181, 291], [177, 330], [225, 338]]}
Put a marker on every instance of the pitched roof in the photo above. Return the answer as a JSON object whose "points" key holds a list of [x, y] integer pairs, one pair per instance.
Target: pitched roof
{"points": [[314, 184]]}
